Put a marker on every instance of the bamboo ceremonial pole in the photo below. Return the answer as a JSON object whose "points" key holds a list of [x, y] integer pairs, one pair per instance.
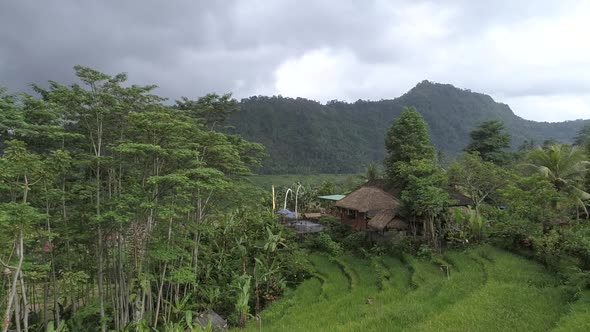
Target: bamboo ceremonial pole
{"points": [[273, 198]]}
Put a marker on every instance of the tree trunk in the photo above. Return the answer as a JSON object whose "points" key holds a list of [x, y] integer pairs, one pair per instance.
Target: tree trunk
{"points": [[103, 326], [52, 262], [45, 303], [12, 295], [25, 302], [161, 288]]}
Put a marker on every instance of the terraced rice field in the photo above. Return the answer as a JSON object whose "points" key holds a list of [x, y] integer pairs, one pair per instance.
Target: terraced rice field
{"points": [[487, 290]]}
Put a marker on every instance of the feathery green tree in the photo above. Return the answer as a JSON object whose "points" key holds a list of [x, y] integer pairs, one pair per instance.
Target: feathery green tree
{"points": [[411, 165], [406, 140], [490, 140], [424, 196], [141, 210]]}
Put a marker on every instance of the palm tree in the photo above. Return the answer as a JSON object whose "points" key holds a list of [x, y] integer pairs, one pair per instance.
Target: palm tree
{"points": [[565, 166]]}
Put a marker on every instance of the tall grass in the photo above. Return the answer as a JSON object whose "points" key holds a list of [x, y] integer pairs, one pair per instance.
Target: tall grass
{"points": [[487, 289]]}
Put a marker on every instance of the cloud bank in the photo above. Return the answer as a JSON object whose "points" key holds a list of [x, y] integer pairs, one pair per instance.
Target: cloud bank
{"points": [[533, 56]]}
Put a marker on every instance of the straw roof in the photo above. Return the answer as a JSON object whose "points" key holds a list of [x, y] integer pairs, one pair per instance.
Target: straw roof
{"points": [[387, 218], [398, 224], [381, 219], [368, 198]]}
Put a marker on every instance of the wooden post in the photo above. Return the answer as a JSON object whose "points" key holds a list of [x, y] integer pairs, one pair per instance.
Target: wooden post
{"points": [[273, 198]]}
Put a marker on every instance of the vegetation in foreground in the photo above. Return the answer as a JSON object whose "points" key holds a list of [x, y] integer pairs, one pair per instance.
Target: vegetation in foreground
{"points": [[486, 289], [532, 203], [120, 212]]}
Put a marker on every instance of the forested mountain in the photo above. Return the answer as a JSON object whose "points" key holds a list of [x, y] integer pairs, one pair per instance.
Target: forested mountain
{"points": [[304, 136]]}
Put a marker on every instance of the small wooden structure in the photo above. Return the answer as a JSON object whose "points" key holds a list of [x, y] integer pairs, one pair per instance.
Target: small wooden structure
{"points": [[312, 215], [364, 203], [375, 207], [328, 201], [334, 198]]}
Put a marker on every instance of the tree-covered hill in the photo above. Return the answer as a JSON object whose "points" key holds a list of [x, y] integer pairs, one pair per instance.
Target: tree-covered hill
{"points": [[304, 136]]}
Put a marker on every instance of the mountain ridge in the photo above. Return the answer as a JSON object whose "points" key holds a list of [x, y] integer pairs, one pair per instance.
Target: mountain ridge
{"points": [[305, 136]]}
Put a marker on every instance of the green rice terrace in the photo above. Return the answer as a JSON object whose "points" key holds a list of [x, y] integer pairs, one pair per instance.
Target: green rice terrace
{"points": [[486, 289]]}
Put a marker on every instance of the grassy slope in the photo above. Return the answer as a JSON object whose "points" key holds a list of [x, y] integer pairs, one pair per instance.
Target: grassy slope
{"points": [[488, 290]]}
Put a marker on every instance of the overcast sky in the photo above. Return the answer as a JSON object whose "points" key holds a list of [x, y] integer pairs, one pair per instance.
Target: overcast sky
{"points": [[532, 55]]}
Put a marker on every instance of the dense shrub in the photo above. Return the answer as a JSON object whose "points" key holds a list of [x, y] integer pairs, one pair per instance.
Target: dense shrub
{"points": [[405, 244], [357, 241], [323, 242], [335, 228]]}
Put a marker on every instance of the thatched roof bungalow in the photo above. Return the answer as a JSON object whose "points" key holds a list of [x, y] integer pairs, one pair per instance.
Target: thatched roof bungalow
{"points": [[359, 206], [375, 207]]}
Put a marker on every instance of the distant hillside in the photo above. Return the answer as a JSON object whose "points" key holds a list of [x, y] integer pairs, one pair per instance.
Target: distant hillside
{"points": [[304, 136]]}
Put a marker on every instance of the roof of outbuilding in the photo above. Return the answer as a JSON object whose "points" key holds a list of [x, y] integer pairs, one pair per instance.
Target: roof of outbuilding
{"points": [[332, 197], [368, 198], [387, 218]]}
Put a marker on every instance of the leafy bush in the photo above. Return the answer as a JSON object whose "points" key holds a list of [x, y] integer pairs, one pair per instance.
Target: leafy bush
{"points": [[516, 233], [577, 280], [86, 318], [425, 251], [335, 228], [548, 246], [323, 242], [297, 267], [575, 240], [405, 244], [357, 241], [377, 250]]}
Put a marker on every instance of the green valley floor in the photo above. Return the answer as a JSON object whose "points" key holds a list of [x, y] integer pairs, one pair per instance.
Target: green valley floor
{"points": [[487, 289]]}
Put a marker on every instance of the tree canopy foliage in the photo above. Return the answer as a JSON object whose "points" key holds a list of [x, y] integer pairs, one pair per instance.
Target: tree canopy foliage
{"points": [[479, 179], [490, 141], [121, 212], [406, 140], [566, 167], [411, 166], [583, 136]]}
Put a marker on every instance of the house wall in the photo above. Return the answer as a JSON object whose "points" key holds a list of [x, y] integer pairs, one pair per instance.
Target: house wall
{"points": [[355, 219]]}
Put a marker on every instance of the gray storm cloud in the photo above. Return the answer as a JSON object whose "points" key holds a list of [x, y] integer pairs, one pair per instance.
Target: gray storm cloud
{"points": [[527, 54]]}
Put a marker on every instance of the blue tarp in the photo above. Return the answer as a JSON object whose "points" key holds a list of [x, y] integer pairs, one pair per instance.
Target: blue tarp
{"points": [[284, 211], [287, 213]]}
